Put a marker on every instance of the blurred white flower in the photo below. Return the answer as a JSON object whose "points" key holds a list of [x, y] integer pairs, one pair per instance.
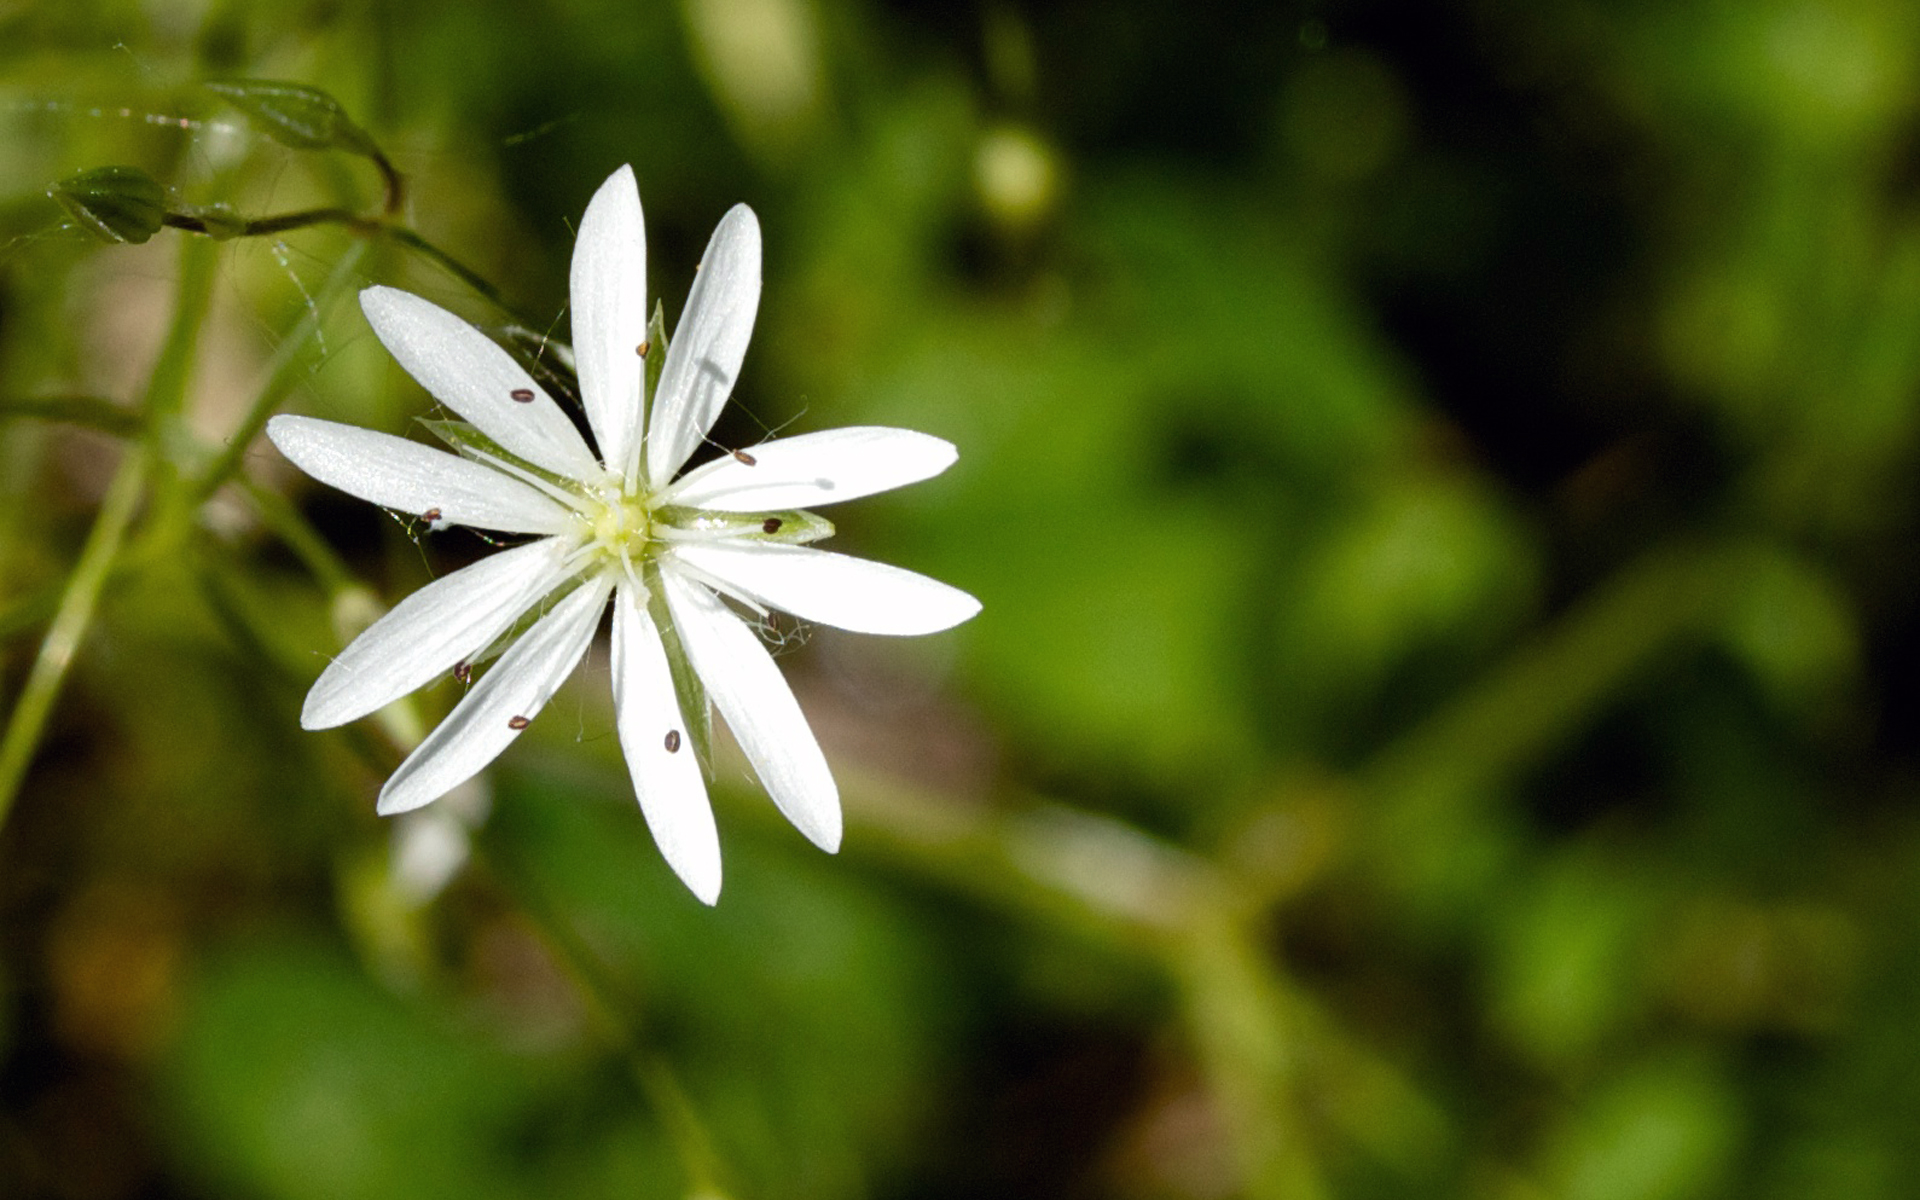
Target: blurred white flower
{"points": [[431, 845], [621, 526]]}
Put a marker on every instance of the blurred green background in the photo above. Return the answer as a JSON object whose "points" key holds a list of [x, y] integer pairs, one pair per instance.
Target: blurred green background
{"points": [[1440, 479]]}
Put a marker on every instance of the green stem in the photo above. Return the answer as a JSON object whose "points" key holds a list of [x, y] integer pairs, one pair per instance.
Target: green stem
{"points": [[308, 546], [223, 228], [220, 228], [614, 1014], [283, 371], [166, 396], [1237, 1014], [453, 266], [93, 412], [167, 388], [69, 626], [390, 176]]}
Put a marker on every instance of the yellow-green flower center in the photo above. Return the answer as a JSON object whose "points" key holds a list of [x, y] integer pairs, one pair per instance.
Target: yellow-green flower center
{"points": [[616, 529]]}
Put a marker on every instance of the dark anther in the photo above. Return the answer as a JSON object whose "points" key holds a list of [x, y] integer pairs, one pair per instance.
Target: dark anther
{"points": [[673, 741], [432, 514], [770, 525], [746, 458], [642, 349], [463, 671], [523, 395], [517, 722]]}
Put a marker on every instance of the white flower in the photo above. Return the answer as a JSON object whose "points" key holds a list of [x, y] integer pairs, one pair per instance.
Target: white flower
{"points": [[620, 527]]}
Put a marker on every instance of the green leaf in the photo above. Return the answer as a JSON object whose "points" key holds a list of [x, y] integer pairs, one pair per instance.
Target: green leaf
{"points": [[548, 359], [296, 115], [222, 223], [688, 691], [116, 204], [789, 526], [469, 442], [656, 360]]}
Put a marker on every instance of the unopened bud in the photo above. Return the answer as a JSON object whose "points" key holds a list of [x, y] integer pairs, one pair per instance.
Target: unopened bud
{"points": [[296, 115], [116, 204]]}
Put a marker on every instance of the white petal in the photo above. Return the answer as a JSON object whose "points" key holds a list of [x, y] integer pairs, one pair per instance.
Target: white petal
{"points": [[759, 707], [704, 354], [659, 750], [814, 469], [518, 686], [427, 634], [396, 473], [466, 371], [833, 589], [609, 289]]}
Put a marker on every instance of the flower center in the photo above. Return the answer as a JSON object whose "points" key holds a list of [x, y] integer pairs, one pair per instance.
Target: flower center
{"points": [[617, 530]]}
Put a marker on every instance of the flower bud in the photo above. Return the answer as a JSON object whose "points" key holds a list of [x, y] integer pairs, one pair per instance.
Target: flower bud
{"points": [[296, 115], [116, 204]]}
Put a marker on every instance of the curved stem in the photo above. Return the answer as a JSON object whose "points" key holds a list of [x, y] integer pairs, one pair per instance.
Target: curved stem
{"points": [[453, 266], [283, 372], [166, 394], [69, 626], [384, 226], [93, 412], [280, 516]]}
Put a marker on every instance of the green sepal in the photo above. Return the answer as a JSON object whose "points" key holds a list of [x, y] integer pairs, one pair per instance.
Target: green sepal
{"points": [[116, 204], [522, 623], [296, 115], [656, 361], [546, 358], [222, 223], [688, 692], [468, 442], [791, 526]]}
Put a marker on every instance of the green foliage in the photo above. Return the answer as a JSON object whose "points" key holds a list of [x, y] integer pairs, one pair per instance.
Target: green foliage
{"points": [[115, 204], [296, 115]]}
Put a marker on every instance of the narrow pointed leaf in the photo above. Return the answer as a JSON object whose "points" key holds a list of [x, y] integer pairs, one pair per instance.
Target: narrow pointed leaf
{"points": [[691, 694], [545, 357], [656, 362], [471, 444], [787, 527]]}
